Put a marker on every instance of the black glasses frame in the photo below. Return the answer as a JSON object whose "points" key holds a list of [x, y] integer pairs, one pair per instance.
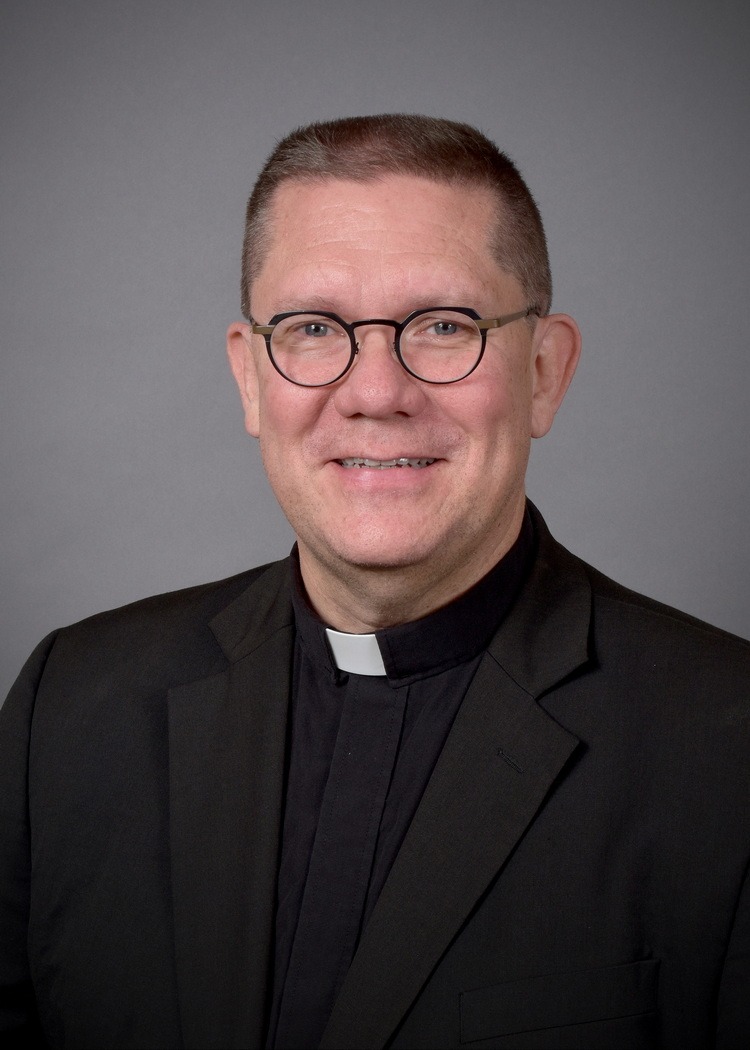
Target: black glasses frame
{"points": [[482, 323]]}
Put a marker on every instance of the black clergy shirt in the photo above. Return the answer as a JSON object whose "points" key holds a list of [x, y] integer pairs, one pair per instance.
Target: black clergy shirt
{"points": [[362, 749]]}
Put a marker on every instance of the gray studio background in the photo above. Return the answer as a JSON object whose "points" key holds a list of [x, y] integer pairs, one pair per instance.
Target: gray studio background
{"points": [[131, 133]]}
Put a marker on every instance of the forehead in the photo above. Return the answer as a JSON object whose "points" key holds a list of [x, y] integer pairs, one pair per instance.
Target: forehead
{"points": [[397, 234]]}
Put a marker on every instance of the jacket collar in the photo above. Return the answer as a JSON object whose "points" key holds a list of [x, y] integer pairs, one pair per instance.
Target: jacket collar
{"points": [[259, 613], [546, 636]]}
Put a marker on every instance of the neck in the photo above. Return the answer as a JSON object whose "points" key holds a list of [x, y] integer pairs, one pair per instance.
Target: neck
{"points": [[361, 599]]}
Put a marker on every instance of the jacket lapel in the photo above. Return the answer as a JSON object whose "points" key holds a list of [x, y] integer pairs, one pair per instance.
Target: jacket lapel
{"points": [[500, 761], [226, 755]]}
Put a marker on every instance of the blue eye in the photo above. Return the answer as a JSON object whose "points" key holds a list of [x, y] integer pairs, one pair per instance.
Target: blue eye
{"points": [[445, 328], [317, 329]]}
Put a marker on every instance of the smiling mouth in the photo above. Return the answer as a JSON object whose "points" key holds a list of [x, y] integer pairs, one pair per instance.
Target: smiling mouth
{"points": [[384, 464]]}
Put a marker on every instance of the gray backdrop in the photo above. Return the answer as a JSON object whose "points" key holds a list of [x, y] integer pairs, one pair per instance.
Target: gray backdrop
{"points": [[131, 133]]}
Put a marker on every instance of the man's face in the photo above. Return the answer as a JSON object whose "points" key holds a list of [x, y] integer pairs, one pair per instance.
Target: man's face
{"points": [[383, 249]]}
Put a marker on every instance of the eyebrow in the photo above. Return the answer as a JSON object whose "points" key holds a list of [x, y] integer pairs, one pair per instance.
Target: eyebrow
{"points": [[315, 303]]}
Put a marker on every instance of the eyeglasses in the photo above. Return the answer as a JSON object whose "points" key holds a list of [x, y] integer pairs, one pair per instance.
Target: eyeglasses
{"points": [[441, 345]]}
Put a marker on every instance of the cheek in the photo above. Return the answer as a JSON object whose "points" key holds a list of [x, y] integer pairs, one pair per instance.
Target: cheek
{"points": [[497, 404], [276, 434], [289, 418], [285, 471], [285, 410]]}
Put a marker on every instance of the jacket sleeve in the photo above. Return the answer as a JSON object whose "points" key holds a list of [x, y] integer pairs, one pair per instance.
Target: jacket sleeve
{"points": [[19, 1020]]}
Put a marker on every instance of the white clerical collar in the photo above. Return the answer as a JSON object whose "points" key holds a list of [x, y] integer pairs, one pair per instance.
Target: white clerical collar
{"points": [[356, 653]]}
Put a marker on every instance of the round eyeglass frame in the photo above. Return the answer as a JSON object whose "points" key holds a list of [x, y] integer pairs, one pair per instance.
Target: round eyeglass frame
{"points": [[482, 323]]}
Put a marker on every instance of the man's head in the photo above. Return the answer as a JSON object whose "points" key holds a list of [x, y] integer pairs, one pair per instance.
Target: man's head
{"points": [[382, 541], [362, 149]]}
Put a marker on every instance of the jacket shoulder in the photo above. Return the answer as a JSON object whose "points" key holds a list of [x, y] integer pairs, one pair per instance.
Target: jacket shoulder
{"points": [[156, 642], [618, 607], [634, 610], [639, 645]]}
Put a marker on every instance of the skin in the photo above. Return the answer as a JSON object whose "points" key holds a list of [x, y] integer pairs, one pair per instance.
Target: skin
{"points": [[381, 547]]}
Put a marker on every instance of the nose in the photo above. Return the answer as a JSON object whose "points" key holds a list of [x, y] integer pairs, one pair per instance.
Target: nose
{"points": [[377, 385]]}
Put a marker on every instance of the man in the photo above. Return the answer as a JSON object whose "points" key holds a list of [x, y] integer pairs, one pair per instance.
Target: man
{"points": [[432, 781]]}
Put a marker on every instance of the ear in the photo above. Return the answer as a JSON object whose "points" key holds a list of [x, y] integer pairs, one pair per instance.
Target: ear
{"points": [[245, 371], [557, 347]]}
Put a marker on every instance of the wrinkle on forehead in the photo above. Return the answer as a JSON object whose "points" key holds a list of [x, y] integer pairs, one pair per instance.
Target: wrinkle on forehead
{"points": [[338, 211]]}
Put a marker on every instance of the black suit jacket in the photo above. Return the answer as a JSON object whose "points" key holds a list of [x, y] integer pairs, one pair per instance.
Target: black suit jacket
{"points": [[575, 875]]}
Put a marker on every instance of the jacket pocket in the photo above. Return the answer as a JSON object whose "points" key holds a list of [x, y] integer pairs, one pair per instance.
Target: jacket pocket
{"points": [[559, 999]]}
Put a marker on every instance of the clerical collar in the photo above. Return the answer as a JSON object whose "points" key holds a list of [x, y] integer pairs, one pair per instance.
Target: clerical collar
{"points": [[451, 635], [356, 653]]}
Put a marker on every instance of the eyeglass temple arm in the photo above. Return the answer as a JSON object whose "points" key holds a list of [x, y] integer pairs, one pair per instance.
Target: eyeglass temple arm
{"points": [[499, 322]]}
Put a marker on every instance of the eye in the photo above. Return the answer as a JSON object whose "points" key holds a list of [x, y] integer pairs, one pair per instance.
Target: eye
{"points": [[316, 329], [444, 327], [441, 327], [306, 328]]}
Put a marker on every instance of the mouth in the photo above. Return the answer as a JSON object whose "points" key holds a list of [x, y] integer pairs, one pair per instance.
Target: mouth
{"points": [[385, 464]]}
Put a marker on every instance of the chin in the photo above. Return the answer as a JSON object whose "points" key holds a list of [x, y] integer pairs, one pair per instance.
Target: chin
{"points": [[379, 552], [380, 559]]}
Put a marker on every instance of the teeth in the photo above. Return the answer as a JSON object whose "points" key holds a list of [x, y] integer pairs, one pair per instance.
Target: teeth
{"points": [[381, 464]]}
